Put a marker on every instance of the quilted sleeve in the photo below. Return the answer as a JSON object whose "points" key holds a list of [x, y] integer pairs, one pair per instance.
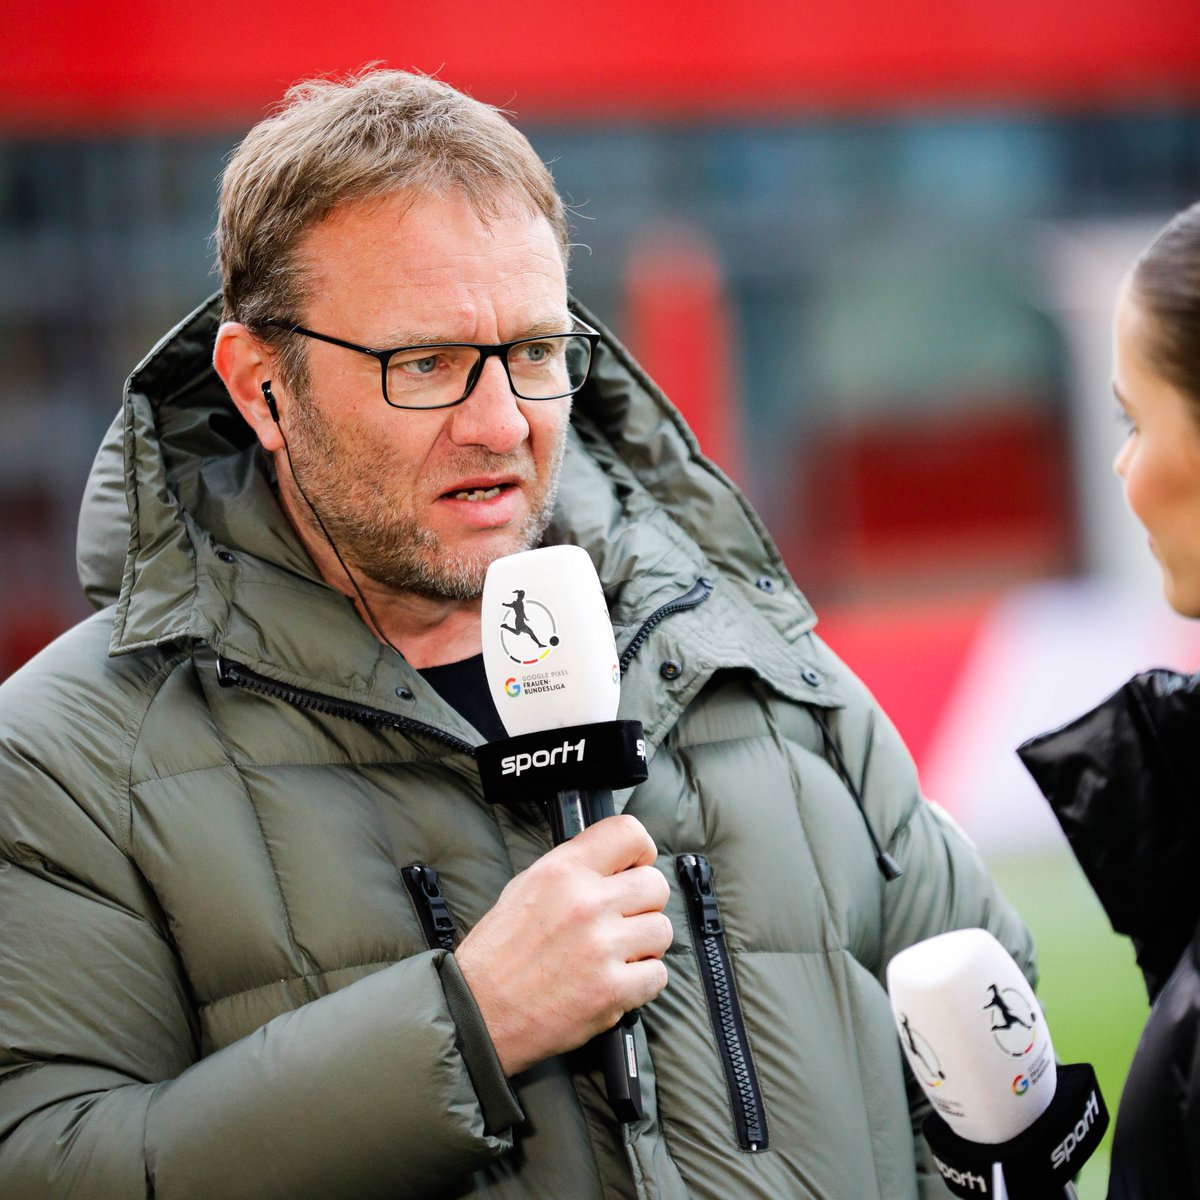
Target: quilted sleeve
{"points": [[383, 1088]]}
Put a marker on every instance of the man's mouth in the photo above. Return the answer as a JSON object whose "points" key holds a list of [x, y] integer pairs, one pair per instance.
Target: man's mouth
{"points": [[478, 493]]}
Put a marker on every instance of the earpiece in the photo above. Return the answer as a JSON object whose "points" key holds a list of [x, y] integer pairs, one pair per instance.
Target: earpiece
{"points": [[270, 399]]}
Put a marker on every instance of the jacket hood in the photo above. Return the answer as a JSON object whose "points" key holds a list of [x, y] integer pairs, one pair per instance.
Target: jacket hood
{"points": [[181, 529], [1123, 781]]}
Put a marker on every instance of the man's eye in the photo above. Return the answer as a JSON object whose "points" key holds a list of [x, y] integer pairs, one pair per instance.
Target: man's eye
{"points": [[536, 352], [416, 366]]}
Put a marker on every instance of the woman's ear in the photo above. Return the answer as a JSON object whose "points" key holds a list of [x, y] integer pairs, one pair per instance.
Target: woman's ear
{"points": [[245, 366]]}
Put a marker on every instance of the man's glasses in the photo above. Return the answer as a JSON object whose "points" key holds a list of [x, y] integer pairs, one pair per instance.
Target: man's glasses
{"points": [[442, 374]]}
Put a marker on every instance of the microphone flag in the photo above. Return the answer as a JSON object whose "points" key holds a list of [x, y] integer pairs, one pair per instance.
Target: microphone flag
{"points": [[976, 1040], [551, 664]]}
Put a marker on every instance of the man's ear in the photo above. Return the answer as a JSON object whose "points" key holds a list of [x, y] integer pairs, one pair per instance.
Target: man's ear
{"points": [[245, 364]]}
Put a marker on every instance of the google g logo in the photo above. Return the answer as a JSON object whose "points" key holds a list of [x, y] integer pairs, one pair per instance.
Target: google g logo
{"points": [[512, 687], [1020, 1085]]}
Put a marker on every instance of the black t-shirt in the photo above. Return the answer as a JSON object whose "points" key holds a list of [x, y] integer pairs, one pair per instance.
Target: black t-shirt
{"points": [[463, 685]]}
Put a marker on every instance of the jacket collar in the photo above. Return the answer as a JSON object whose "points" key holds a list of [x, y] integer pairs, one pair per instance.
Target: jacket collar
{"points": [[208, 556], [1122, 780]]}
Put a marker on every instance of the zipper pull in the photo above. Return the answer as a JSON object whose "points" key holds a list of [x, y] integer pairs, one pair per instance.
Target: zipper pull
{"points": [[696, 875], [426, 891]]}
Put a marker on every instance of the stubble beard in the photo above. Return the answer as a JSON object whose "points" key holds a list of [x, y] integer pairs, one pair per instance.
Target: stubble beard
{"points": [[377, 535]]}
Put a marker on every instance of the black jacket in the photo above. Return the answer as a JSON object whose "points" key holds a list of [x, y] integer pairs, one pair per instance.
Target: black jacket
{"points": [[1124, 782]]}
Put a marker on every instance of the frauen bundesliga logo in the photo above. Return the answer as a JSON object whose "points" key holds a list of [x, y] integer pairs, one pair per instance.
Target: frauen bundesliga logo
{"points": [[1013, 1021], [1014, 1027], [922, 1053], [531, 636]]}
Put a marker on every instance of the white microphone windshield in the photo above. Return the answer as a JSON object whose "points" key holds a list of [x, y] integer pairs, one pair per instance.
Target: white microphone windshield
{"points": [[548, 648], [973, 1033]]}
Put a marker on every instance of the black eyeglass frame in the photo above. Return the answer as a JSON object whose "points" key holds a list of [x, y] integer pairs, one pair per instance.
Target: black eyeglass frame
{"points": [[486, 350]]}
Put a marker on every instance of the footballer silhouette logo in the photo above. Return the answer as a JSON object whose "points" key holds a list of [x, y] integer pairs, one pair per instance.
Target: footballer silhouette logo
{"points": [[921, 1054], [1013, 1021], [528, 631]]}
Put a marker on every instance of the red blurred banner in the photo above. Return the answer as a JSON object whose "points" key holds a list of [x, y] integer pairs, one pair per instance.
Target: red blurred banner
{"points": [[164, 63]]}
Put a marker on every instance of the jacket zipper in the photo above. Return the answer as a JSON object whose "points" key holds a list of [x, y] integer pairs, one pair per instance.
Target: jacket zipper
{"points": [[432, 911], [708, 937], [696, 594], [231, 674]]}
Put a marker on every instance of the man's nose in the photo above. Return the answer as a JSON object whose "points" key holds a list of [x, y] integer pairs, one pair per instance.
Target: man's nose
{"points": [[490, 416]]}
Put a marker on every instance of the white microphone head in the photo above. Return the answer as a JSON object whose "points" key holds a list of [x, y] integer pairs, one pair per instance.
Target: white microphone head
{"points": [[548, 648], [973, 1033]]}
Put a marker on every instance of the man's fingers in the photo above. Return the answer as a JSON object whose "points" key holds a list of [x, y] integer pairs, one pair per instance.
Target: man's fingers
{"points": [[648, 935], [641, 890], [635, 984], [573, 941], [644, 982], [612, 845]]}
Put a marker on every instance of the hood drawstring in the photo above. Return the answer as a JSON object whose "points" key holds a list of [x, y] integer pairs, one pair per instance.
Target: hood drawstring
{"points": [[889, 868]]}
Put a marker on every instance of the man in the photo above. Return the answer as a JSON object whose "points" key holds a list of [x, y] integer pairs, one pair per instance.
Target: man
{"points": [[263, 934]]}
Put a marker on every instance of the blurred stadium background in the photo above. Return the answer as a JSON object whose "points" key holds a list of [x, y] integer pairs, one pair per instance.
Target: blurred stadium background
{"points": [[871, 252]]}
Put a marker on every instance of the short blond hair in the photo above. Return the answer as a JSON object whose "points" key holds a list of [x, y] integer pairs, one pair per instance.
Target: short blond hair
{"points": [[368, 135]]}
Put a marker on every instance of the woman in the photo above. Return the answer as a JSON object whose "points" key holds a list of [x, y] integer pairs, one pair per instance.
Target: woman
{"points": [[1124, 780]]}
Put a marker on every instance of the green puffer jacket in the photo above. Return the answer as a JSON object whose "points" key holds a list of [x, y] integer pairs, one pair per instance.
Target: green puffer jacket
{"points": [[214, 982]]}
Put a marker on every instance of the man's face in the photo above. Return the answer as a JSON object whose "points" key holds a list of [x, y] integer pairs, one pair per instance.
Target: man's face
{"points": [[423, 501]]}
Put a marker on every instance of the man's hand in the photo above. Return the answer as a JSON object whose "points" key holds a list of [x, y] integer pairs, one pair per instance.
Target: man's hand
{"points": [[572, 944]]}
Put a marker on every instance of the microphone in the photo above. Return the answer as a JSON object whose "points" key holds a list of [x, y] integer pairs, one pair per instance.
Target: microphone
{"points": [[552, 669], [1008, 1123]]}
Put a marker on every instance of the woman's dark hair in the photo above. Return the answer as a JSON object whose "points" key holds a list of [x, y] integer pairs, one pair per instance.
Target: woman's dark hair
{"points": [[1166, 285]]}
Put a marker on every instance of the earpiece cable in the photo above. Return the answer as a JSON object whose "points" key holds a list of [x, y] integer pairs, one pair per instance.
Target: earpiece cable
{"points": [[287, 450]]}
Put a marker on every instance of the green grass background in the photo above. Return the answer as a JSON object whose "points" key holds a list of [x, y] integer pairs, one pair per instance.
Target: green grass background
{"points": [[1090, 990]]}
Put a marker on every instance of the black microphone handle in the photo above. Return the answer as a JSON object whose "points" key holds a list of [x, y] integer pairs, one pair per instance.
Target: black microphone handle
{"points": [[1067, 1191], [573, 770], [572, 811]]}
